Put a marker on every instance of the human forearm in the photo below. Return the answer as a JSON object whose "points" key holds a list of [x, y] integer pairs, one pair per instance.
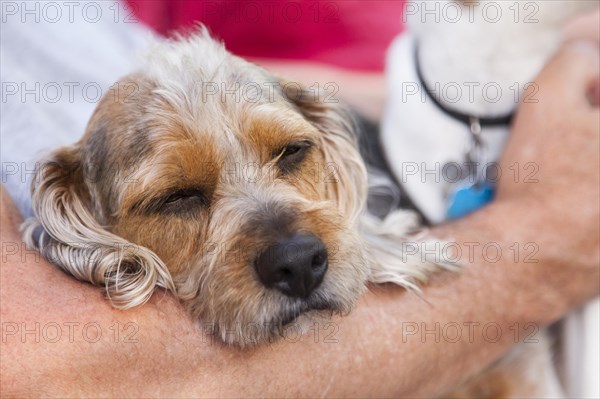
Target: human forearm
{"points": [[375, 350]]}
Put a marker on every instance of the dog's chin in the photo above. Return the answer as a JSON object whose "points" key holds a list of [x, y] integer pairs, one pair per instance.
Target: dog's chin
{"points": [[311, 309], [290, 316]]}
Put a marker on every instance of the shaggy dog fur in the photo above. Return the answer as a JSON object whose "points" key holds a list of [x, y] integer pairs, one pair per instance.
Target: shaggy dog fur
{"points": [[190, 169]]}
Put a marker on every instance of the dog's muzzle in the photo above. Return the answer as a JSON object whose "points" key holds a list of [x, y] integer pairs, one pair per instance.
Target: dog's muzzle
{"points": [[294, 266]]}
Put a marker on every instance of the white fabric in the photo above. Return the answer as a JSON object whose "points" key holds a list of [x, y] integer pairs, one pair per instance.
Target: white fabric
{"points": [[582, 351]]}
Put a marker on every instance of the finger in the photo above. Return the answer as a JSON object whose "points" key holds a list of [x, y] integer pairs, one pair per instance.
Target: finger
{"points": [[570, 74], [585, 27]]}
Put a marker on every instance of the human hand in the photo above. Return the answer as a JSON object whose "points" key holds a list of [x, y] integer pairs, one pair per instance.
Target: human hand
{"points": [[586, 27]]}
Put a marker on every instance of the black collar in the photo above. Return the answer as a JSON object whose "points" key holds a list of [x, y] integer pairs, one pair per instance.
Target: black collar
{"points": [[469, 120]]}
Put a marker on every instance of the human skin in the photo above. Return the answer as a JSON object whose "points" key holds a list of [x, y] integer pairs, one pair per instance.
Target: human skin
{"points": [[373, 356], [365, 92]]}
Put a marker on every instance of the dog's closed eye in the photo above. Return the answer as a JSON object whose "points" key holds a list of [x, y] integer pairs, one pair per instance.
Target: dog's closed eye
{"points": [[183, 200], [290, 156]]}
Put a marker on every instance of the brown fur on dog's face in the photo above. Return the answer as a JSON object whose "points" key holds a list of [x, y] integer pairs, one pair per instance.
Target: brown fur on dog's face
{"points": [[207, 181]]}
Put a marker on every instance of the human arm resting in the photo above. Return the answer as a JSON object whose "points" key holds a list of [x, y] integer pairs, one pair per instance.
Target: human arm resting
{"points": [[158, 350]]}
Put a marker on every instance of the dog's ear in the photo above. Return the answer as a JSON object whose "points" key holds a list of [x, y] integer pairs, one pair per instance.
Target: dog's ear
{"points": [[66, 232], [344, 171]]}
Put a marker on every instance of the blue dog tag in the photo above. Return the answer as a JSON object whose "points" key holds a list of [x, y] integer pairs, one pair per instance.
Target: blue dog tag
{"points": [[469, 198]]}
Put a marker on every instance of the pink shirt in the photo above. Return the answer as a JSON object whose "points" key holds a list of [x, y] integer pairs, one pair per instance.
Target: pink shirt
{"points": [[347, 34]]}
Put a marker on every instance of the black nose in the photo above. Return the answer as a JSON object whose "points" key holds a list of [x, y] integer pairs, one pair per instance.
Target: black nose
{"points": [[294, 266]]}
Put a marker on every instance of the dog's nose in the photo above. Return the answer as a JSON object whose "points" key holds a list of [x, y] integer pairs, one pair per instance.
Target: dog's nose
{"points": [[295, 266]]}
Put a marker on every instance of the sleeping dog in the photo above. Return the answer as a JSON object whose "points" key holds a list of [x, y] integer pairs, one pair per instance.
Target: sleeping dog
{"points": [[241, 193]]}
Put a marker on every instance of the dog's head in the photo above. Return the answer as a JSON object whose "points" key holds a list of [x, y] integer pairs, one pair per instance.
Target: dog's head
{"points": [[204, 174]]}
